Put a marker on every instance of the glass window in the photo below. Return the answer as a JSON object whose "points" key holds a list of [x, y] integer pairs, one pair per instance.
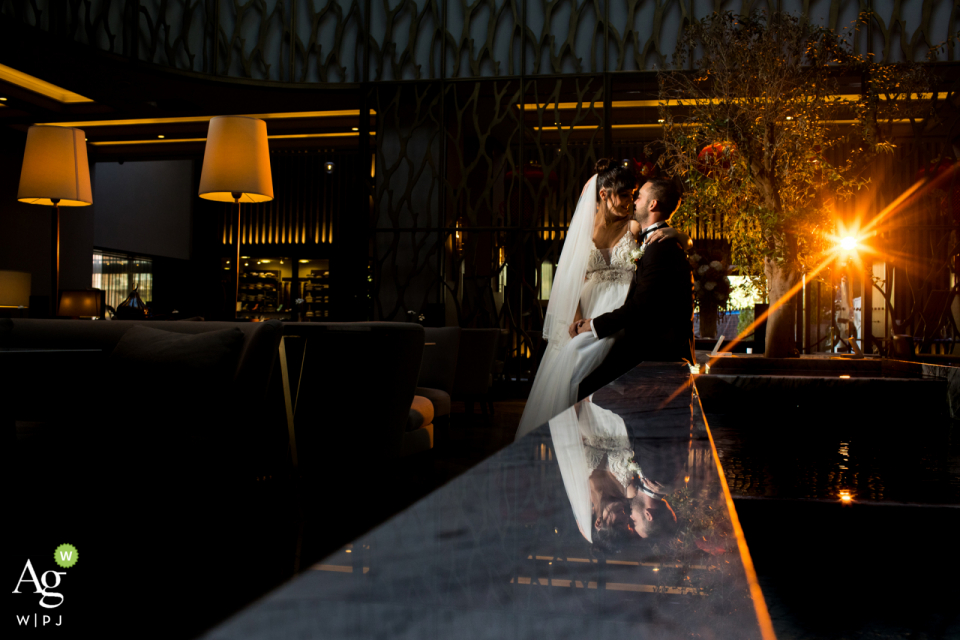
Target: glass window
{"points": [[118, 274]]}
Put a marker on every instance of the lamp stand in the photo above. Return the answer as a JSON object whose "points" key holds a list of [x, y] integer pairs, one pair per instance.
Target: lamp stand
{"points": [[54, 257], [236, 281]]}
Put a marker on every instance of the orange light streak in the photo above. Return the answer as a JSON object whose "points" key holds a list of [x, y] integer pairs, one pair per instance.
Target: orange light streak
{"points": [[917, 189], [759, 603]]}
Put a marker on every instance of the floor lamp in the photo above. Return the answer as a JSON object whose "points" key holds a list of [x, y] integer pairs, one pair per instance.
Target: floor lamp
{"points": [[55, 172], [236, 168]]}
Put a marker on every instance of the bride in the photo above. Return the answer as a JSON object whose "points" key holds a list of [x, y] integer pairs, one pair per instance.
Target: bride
{"points": [[593, 277]]}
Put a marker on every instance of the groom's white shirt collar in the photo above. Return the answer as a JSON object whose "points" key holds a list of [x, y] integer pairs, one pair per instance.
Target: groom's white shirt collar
{"points": [[655, 225]]}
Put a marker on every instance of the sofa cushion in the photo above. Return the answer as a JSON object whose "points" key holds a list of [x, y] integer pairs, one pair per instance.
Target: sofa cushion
{"points": [[438, 398], [421, 413], [199, 359], [175, 393]]}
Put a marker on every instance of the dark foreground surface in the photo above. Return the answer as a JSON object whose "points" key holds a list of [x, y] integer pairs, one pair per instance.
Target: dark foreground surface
{"points": [[497, 552]]}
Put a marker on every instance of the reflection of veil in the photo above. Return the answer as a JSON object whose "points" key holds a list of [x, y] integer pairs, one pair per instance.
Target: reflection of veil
{"points": [[571, 269], [596, 426], [568, 446]]}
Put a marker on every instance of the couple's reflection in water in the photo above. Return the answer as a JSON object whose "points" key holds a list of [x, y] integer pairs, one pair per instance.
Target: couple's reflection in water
{"points": [[619, 486]]}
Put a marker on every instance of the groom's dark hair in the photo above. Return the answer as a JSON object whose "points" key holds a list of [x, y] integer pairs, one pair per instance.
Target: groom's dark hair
{"points": [[614, 177], [666, 193]]}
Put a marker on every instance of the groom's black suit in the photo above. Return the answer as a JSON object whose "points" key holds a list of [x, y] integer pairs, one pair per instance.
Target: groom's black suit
{"points": [[656, 318]]}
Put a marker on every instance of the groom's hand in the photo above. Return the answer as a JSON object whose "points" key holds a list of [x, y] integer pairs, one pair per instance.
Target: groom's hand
{"points": [[583, 326]]}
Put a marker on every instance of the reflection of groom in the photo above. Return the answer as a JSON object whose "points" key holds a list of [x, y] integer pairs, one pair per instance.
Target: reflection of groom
{"points": [[657, 316]]}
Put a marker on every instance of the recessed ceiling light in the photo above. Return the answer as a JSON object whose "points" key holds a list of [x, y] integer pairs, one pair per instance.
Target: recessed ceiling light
{"points": [[353, 129], [161, 137], [259, 116]]}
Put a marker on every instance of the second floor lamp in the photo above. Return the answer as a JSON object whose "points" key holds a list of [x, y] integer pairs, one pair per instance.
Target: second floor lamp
{"points": [[236, 168]]}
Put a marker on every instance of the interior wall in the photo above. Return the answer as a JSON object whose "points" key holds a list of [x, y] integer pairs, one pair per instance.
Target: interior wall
{"points": [[145, 207]]}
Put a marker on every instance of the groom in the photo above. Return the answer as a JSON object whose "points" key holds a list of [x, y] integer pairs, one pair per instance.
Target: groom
{"points": [[657, 316]]}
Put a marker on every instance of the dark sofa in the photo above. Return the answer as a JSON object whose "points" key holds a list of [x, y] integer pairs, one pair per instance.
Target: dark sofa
{"points": [[150, 457], [355, 390], [209, 384]]}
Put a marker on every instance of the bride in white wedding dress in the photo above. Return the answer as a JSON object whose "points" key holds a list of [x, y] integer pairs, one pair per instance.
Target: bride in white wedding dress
{"points": [[593, 277]]}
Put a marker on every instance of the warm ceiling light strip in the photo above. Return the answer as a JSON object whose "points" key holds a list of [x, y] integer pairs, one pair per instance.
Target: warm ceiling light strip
{"points": [[261, 116], [154, 141], [682, 124], [614, 126], [350, 134], [44, 88], [633, 104]]}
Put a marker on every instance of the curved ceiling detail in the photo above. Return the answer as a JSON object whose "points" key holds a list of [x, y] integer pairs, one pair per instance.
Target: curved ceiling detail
{"points": [[352, 41]]}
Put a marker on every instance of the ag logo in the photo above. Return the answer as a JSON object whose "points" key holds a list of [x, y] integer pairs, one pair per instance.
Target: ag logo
{"points": [[65, 556]]}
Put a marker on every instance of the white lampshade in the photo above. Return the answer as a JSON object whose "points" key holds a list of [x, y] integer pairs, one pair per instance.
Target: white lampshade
{"points": [[236, 159], [55, 168], [14, 289]]}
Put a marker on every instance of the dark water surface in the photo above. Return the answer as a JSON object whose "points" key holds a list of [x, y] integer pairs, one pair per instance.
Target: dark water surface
{"points": [[905, 459], [883, 564]]}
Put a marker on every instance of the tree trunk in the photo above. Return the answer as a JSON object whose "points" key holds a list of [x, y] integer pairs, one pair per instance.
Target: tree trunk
{"points": [[781, 325]]}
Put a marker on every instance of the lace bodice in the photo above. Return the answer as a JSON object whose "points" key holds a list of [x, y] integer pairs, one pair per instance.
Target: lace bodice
{"points": [[612, 453], [606, 265]]}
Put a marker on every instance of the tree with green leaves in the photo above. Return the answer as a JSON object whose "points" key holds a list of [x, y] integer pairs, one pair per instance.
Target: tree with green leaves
{"points": [[760, 132]]}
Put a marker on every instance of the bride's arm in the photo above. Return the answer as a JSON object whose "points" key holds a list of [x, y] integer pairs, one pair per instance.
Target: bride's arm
{"points": [[579, 315], [669, 233]]}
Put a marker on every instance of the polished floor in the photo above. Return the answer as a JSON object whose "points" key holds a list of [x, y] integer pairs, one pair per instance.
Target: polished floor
{"points": [[505, 550], [881, 567]]}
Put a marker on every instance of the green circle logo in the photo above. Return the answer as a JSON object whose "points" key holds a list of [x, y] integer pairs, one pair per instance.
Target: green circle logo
{"points": [[66, 555]]}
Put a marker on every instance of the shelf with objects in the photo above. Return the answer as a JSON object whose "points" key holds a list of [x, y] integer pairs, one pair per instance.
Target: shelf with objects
{"points": [[264, 288], [314, 280]]}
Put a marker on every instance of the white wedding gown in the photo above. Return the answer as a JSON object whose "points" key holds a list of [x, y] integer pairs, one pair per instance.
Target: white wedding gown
{"points": [[563, 368]]}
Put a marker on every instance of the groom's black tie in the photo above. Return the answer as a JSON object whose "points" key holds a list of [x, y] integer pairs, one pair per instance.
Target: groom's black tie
{"points": [[655, 227]]}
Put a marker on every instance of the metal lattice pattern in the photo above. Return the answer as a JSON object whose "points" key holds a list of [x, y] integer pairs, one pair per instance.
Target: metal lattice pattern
{"points": [[332, 40], [476, 186]]}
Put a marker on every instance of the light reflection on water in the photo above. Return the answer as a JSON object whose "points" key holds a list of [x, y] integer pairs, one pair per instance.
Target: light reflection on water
{"points": [[898, 462]]}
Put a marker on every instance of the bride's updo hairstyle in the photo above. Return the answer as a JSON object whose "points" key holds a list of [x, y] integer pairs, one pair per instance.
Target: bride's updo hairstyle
{"points": [[613, 177]]}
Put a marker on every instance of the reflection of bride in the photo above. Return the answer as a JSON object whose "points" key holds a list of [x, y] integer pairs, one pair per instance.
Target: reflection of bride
{"points": [[612, 499], [593, 277]]}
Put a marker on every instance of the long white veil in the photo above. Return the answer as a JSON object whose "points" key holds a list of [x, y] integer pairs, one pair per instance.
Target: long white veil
{"points": [[568, 280], [551, 387]]}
